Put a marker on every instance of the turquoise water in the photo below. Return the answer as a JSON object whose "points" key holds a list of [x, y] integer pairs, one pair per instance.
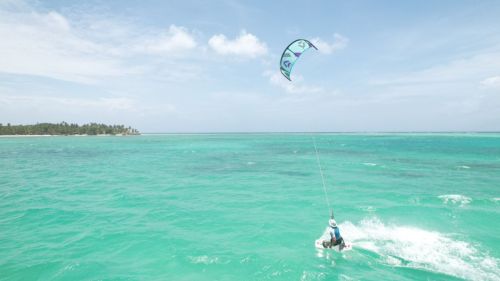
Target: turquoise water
{"points": [[249, 207]]}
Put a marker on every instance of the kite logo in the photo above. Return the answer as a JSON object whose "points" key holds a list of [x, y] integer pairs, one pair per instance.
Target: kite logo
{"points": [[301, 44], [287, 64]]}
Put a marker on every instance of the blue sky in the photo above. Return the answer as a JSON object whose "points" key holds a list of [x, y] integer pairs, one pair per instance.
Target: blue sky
{"points": [[213, 66]]}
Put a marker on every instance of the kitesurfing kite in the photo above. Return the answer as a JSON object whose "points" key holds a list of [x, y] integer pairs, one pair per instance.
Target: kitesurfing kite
{"points": [[291, 54]]}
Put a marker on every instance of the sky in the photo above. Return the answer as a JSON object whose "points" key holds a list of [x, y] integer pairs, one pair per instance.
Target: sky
{"points": [[213, 66]]}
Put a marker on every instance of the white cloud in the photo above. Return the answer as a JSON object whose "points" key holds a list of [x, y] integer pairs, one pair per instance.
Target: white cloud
{"points": [[295, 87], [176, 39], [57, 21], [468, 70], [246, 45], [491, 82], [85, 49], [68, 104], [31, 108], [45, 44], [339, 42]]}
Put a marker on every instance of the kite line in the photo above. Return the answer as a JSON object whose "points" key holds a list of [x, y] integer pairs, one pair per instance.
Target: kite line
{"points": [[322, 178]]}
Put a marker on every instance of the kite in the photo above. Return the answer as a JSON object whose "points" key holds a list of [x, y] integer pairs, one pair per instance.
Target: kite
{"points": [[291, 54]]}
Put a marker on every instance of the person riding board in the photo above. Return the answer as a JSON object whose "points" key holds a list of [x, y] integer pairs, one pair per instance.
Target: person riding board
{"points": [[336, 238]]}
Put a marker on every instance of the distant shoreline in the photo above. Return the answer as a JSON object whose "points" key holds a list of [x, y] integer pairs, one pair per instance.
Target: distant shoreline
{"points": [[66, 129], [258, 133], [57, 135]]}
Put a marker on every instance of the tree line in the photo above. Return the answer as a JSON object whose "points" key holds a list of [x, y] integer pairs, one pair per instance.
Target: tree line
{"points": [[64, 128]]}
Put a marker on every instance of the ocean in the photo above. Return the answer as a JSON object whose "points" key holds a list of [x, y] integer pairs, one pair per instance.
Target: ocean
{"points": [[249, 207]]}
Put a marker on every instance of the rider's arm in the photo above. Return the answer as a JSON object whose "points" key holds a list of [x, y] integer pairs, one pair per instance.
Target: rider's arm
{"points": [[332, 235]]}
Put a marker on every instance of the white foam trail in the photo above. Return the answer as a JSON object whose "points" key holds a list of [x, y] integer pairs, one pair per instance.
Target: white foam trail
{"points": [[463, 167], [369, 164], [306, 276], [455, 199], [204, 259], [418, 248], [369, 209]]}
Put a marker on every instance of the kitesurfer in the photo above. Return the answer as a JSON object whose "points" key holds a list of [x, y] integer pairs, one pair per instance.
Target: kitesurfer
{"points": [[336, 238]]}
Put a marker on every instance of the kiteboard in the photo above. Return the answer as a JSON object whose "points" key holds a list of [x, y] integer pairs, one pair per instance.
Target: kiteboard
{"points": [[325, 244]]}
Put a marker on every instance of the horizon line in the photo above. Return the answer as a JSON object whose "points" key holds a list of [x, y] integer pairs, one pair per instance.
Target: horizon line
{"points": [[328, 132]]}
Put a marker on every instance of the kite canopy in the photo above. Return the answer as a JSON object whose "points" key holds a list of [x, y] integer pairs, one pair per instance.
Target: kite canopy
{"points": [[292, 54]]}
